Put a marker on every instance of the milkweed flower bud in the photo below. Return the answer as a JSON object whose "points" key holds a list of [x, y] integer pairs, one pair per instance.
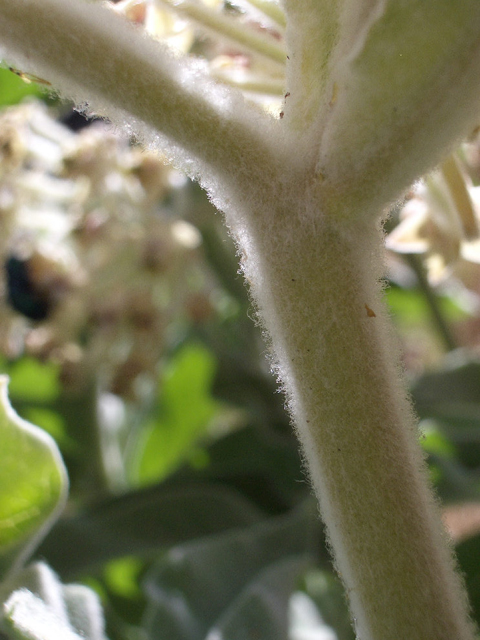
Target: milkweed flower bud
{"points": [[95, 266]]}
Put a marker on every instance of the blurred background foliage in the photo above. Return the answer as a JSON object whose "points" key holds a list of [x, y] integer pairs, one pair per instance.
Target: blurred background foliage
{"points": [[190, 512]]}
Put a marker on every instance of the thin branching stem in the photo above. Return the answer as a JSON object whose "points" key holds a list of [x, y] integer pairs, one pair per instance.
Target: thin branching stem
{"points": [[227, 27]]}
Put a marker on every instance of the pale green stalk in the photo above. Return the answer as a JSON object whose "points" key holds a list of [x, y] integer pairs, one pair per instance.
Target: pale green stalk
{"points": [[339, 365], [460, 196], [271, 9], [137, 80], [260, 86], [369, 108], [227, 27]]}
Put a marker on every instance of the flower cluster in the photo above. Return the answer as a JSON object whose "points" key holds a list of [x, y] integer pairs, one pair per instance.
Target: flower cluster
{"points": [[441, 217], [96, 263], [440, 223]]}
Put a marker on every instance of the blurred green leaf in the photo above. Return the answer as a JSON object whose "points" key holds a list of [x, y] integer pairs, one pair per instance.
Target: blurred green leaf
{"points": [[452, 397], [261, 610], [261, 463], [407, 305], [51, 422], [326, 590], [13, 89], [121, 576], [33, 484], [453, 481], [204, 585], [220, 252], [468, 556], [34, 381], [433, 441], [306, 623], [185, 411], [454, 390], [410, 307], [144, 522]]}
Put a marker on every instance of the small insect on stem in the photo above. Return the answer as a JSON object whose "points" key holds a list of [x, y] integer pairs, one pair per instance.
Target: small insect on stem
{"points": [[370, 312], [28, 77]]}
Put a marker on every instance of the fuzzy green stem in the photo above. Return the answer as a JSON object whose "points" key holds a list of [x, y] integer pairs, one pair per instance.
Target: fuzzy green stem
{"points": [[332, 339], [75, 45], [312, 32], [314, 275]]}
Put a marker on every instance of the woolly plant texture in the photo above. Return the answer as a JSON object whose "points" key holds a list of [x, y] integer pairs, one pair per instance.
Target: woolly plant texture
{"points": [[376, 92]]}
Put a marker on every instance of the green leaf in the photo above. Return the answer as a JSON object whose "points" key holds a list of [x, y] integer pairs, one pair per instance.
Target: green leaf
{"points": [[208, 582], [452, 397], [121, 576], [50, 421], [145, 521], [34, 381], [410, 308], [326, 591], [468, 555], [13, 89], [433, 441], [186, 410], [261, 463], [453, 481], [306, 623], [33, 484], [261, 609], [457, 385]]}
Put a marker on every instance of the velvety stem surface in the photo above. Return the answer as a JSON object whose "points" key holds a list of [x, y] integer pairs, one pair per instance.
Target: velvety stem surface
{"points": [[95, 56], [321, 302]]}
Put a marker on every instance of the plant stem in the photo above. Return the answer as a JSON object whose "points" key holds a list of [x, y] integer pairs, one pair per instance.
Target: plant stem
{"points": [[332, 338], [432, 301], [80, 412], [273, 87], [75, 45], [460, 196], [227, 27], [271, 9], [314, 272]]}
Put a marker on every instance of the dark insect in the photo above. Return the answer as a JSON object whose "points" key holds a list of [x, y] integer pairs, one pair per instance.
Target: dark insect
{"points": [[23, 296], [28, 77]]}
